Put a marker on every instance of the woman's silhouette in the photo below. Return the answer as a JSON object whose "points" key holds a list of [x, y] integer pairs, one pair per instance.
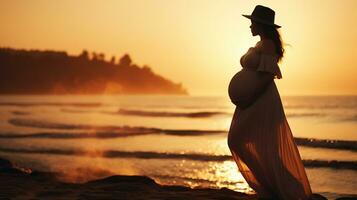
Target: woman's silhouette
{"points": [[260, 138]]}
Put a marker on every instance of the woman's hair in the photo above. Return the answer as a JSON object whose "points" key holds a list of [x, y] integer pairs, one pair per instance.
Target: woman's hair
{"points": [[272, 33]]}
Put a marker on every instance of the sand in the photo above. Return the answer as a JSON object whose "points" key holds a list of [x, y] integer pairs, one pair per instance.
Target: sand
{"points": [[20, 183]]}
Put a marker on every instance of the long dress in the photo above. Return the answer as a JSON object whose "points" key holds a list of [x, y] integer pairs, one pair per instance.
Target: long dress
{"points": [[261, 141]]}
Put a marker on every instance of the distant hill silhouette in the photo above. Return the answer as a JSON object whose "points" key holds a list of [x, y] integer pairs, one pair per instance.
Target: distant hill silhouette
{"points": [[56, 72]]}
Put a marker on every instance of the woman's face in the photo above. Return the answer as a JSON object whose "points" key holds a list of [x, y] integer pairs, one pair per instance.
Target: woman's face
{"points": [[254, 28]]}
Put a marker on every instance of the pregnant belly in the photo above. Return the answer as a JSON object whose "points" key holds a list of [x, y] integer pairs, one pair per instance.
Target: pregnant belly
{"points": [[243, 86]]}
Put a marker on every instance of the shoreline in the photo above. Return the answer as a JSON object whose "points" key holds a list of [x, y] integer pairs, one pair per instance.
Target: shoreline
{"points": [[21, 183]]}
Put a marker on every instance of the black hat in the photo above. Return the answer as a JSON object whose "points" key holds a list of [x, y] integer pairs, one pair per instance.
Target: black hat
{"points": [[263, 15]]}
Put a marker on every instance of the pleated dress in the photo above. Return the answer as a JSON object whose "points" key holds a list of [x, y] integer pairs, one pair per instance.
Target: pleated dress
{"points": [[261, 141]]}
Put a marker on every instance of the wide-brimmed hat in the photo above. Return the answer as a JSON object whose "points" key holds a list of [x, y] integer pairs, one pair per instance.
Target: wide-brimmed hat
{"points": [[263, 15]]}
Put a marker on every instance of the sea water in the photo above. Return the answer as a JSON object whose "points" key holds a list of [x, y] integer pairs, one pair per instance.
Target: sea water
{"points": [[176, 140]]}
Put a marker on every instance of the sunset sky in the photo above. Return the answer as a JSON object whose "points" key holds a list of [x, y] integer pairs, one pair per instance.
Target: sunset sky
{"points": [[195, 42]]}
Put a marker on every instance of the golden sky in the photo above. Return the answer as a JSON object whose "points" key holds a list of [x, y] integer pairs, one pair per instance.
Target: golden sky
{"points": [[196, 42]]}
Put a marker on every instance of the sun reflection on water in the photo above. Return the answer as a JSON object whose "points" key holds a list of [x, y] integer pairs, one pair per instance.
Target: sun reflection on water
{"points": [[227, 175], [207, 175]]}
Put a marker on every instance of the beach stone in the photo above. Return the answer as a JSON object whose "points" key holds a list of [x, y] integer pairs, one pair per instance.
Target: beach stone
{"points": [[316, 196], [4, 164]]}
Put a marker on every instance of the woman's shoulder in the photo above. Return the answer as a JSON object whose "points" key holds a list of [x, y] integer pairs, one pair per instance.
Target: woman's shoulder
{"points": [[266, 46]]}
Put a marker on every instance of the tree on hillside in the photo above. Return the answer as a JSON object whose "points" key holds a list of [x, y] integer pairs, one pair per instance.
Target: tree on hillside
{"points": [[125, 60], [112, 60], [101, 56], [84, 55]]}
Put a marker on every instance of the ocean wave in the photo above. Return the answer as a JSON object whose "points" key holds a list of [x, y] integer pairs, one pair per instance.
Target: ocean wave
{"points": [[20, 113], [321, 106], [66, 135], [213, 183], [163, 155], [173, 177], [325, 143], [336, 164], [201, 114], [144, 113], [97, 131], [137, 131], [126, 129], [75, 110], [119, 154], [98, 134], [170, 114], [351, 118], [206, 114], [29, 104], [44, 124], [305, 115]]}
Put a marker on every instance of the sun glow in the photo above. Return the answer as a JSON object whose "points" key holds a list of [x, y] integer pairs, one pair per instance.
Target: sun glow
{"points": [[198, 43]]}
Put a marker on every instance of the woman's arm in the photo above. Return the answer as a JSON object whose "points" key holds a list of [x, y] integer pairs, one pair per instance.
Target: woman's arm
{"points": [[262, 81]]}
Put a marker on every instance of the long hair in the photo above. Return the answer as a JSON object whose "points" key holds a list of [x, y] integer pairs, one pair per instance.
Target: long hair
{"points": [[272, 33]]}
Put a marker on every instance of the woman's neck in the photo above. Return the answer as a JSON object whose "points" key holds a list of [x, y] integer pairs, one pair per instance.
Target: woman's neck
{"points": [[263, 37]]}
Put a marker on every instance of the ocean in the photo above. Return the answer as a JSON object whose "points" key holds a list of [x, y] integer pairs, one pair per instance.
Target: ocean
{"points": [[176, 140]]}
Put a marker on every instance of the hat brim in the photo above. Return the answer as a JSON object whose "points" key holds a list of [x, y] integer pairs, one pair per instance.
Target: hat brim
{"points": [[261, 21]]}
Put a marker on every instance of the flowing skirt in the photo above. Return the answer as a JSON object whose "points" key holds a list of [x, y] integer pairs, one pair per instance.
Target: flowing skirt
{"points": [[263, 147]]}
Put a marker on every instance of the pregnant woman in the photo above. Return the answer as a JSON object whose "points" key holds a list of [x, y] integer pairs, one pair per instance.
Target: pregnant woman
{"points": [[260, 138]]}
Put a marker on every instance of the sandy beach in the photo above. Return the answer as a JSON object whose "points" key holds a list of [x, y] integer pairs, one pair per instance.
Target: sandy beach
{"points": [[23, 183], [20, 183]]}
